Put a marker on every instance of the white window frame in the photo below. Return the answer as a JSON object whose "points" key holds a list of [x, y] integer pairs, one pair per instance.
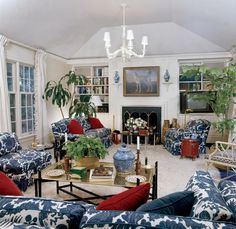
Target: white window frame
{"points": [[18, 93]]}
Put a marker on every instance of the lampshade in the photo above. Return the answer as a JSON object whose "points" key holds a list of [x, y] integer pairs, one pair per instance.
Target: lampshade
{"points": [[95, 100]]}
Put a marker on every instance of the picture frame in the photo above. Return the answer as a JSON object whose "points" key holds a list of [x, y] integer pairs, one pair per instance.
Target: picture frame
{"points": [[141, 81]]}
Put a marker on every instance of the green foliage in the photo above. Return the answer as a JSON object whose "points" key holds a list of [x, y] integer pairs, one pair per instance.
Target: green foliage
{"points": [[60, 95], [223, 83], [85, 146]]}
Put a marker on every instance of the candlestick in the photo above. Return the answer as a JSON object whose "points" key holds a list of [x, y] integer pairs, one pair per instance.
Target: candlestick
{"points": [[138, 143], [66, 137], [138, 164], [113, 123]]}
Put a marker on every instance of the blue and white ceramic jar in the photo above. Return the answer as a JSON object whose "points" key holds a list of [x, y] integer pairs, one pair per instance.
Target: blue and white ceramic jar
{"points": [[124, 159], [116, 77], [167, 76]]}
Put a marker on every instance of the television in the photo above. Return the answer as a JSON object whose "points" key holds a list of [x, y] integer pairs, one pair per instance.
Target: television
{"points": [[197, 106]]}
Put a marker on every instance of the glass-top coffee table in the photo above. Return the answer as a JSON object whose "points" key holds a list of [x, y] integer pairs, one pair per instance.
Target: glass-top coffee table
{"points": [[149, 172]]}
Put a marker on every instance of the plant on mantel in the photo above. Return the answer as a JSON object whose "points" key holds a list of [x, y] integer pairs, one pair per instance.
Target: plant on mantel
{"points": [[223, 83], [61, 96]]}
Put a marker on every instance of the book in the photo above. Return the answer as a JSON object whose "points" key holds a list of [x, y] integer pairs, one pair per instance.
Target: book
{"points": [[102, 172]]}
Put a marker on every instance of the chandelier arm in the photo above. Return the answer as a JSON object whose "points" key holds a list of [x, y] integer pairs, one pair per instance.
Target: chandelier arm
{"points": [[114, 54], [132, 53]]}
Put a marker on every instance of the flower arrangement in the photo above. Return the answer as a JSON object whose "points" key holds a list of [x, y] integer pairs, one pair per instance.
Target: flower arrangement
{"points": [[135, 124]]}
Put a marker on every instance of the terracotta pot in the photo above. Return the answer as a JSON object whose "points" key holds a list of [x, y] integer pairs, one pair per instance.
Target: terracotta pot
{"points": [[88, 162]]}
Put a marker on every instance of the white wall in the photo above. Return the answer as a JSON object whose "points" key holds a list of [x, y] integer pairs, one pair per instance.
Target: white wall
{"points": [[169, 94], [55, 69]]}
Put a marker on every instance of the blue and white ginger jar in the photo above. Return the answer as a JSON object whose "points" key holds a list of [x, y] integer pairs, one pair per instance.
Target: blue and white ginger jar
{"points": [[124, 159], [116, 77]]}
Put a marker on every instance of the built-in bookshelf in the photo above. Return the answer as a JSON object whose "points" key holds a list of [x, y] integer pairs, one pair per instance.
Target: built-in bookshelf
{"points": [[97, 84]]}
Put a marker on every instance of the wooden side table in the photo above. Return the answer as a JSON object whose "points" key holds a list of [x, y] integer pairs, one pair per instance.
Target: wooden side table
{"points": [[189, 148]]}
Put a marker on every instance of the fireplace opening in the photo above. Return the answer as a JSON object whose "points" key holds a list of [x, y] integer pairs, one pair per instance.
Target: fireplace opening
{"points": [[152, 115]]}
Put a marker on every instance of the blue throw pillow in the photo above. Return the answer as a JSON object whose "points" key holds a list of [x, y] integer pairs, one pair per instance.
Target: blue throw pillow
{"points": [[178, 203]]}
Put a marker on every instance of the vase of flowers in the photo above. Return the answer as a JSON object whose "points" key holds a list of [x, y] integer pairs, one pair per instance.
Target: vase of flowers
{"points": [[134, 125]]}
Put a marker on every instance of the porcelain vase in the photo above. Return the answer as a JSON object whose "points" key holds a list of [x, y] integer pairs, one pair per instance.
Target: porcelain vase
{"points": [[124, 159]]}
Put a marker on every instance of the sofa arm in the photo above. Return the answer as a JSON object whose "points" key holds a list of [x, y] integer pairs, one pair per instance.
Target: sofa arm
{"points": [[41, 212], [93, 218]]}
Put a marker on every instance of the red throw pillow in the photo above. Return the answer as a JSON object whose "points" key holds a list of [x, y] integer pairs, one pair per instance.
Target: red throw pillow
{"points": [[8, 187], [128, 200], [74, 127], [95, 123]]}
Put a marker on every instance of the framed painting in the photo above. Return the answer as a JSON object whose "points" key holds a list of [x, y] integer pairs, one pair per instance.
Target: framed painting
{"points": [[141, 81]]}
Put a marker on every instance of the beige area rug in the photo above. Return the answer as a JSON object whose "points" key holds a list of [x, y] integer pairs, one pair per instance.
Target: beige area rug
{"points": [[173, 173]]}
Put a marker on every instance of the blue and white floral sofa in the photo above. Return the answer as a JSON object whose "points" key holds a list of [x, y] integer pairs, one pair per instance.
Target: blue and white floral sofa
{"points": [[19, 164], [196, 129], [212, 208], [60, 128]]}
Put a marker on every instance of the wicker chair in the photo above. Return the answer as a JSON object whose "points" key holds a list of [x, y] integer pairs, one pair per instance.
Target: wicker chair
{"points": [[224, 156]]}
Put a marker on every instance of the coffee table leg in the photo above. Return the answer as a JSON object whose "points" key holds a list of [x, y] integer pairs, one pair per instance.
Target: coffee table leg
{"points": [[36, 187], [57, 186], [39, 184], [71, 186]]}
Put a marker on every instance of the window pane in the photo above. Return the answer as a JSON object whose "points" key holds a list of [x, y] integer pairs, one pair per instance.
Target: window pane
{"points": [[21, 71], [29, 100], [26, 72], [31, 86], [22, 85], [23, 113], [10, 84], [13, 114], [13, 127], [29, 113], [9, 69], [31, 73], [12, 100], [23, 100], [24, 127], [30, 125]]}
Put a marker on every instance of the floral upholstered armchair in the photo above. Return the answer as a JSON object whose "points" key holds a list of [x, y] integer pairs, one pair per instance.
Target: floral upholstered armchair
{"points": [[20, 164], [196, 129]]}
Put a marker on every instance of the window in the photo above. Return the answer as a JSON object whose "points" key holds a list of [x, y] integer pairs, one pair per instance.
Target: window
{"points": [[20, 79]]}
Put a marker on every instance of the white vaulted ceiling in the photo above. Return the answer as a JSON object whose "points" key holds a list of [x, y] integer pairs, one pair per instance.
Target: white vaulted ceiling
{"points": [[74, 28]]}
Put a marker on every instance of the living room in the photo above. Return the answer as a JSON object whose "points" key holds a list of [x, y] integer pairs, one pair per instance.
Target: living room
{"points": [[47, 40]]}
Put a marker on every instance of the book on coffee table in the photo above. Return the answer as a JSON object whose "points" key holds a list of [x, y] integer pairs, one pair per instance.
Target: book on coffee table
{"points": [[102, 172]]}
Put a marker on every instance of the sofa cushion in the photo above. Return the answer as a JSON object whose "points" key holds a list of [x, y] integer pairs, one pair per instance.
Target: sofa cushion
{"points": [[133, 219], [98, 133], [41, 212], [127, 200], [74, 127], [95, 123], [208, 204], [84, 123], [178, 203], [5, 224], [8, 143], [228, 191], [8, 187]]}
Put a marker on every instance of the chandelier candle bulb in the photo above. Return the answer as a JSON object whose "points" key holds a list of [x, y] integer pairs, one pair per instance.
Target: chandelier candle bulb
{"points": [[138, 143], [145, 40]]}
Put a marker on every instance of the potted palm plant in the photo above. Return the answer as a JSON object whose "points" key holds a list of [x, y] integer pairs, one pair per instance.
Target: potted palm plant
{"points": [[223, 83], [61, 95], [86, 151]]}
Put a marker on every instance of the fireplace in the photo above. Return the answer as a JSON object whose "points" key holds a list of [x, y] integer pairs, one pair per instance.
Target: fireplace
{"points": [[152, 115]]}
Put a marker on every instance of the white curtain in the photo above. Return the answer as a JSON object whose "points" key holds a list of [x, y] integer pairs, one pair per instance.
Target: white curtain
{"points": [[41, 122], [5, 122]]}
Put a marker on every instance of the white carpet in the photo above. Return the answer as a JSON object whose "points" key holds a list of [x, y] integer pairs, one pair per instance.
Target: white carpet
{"points": [[173, 173]]}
